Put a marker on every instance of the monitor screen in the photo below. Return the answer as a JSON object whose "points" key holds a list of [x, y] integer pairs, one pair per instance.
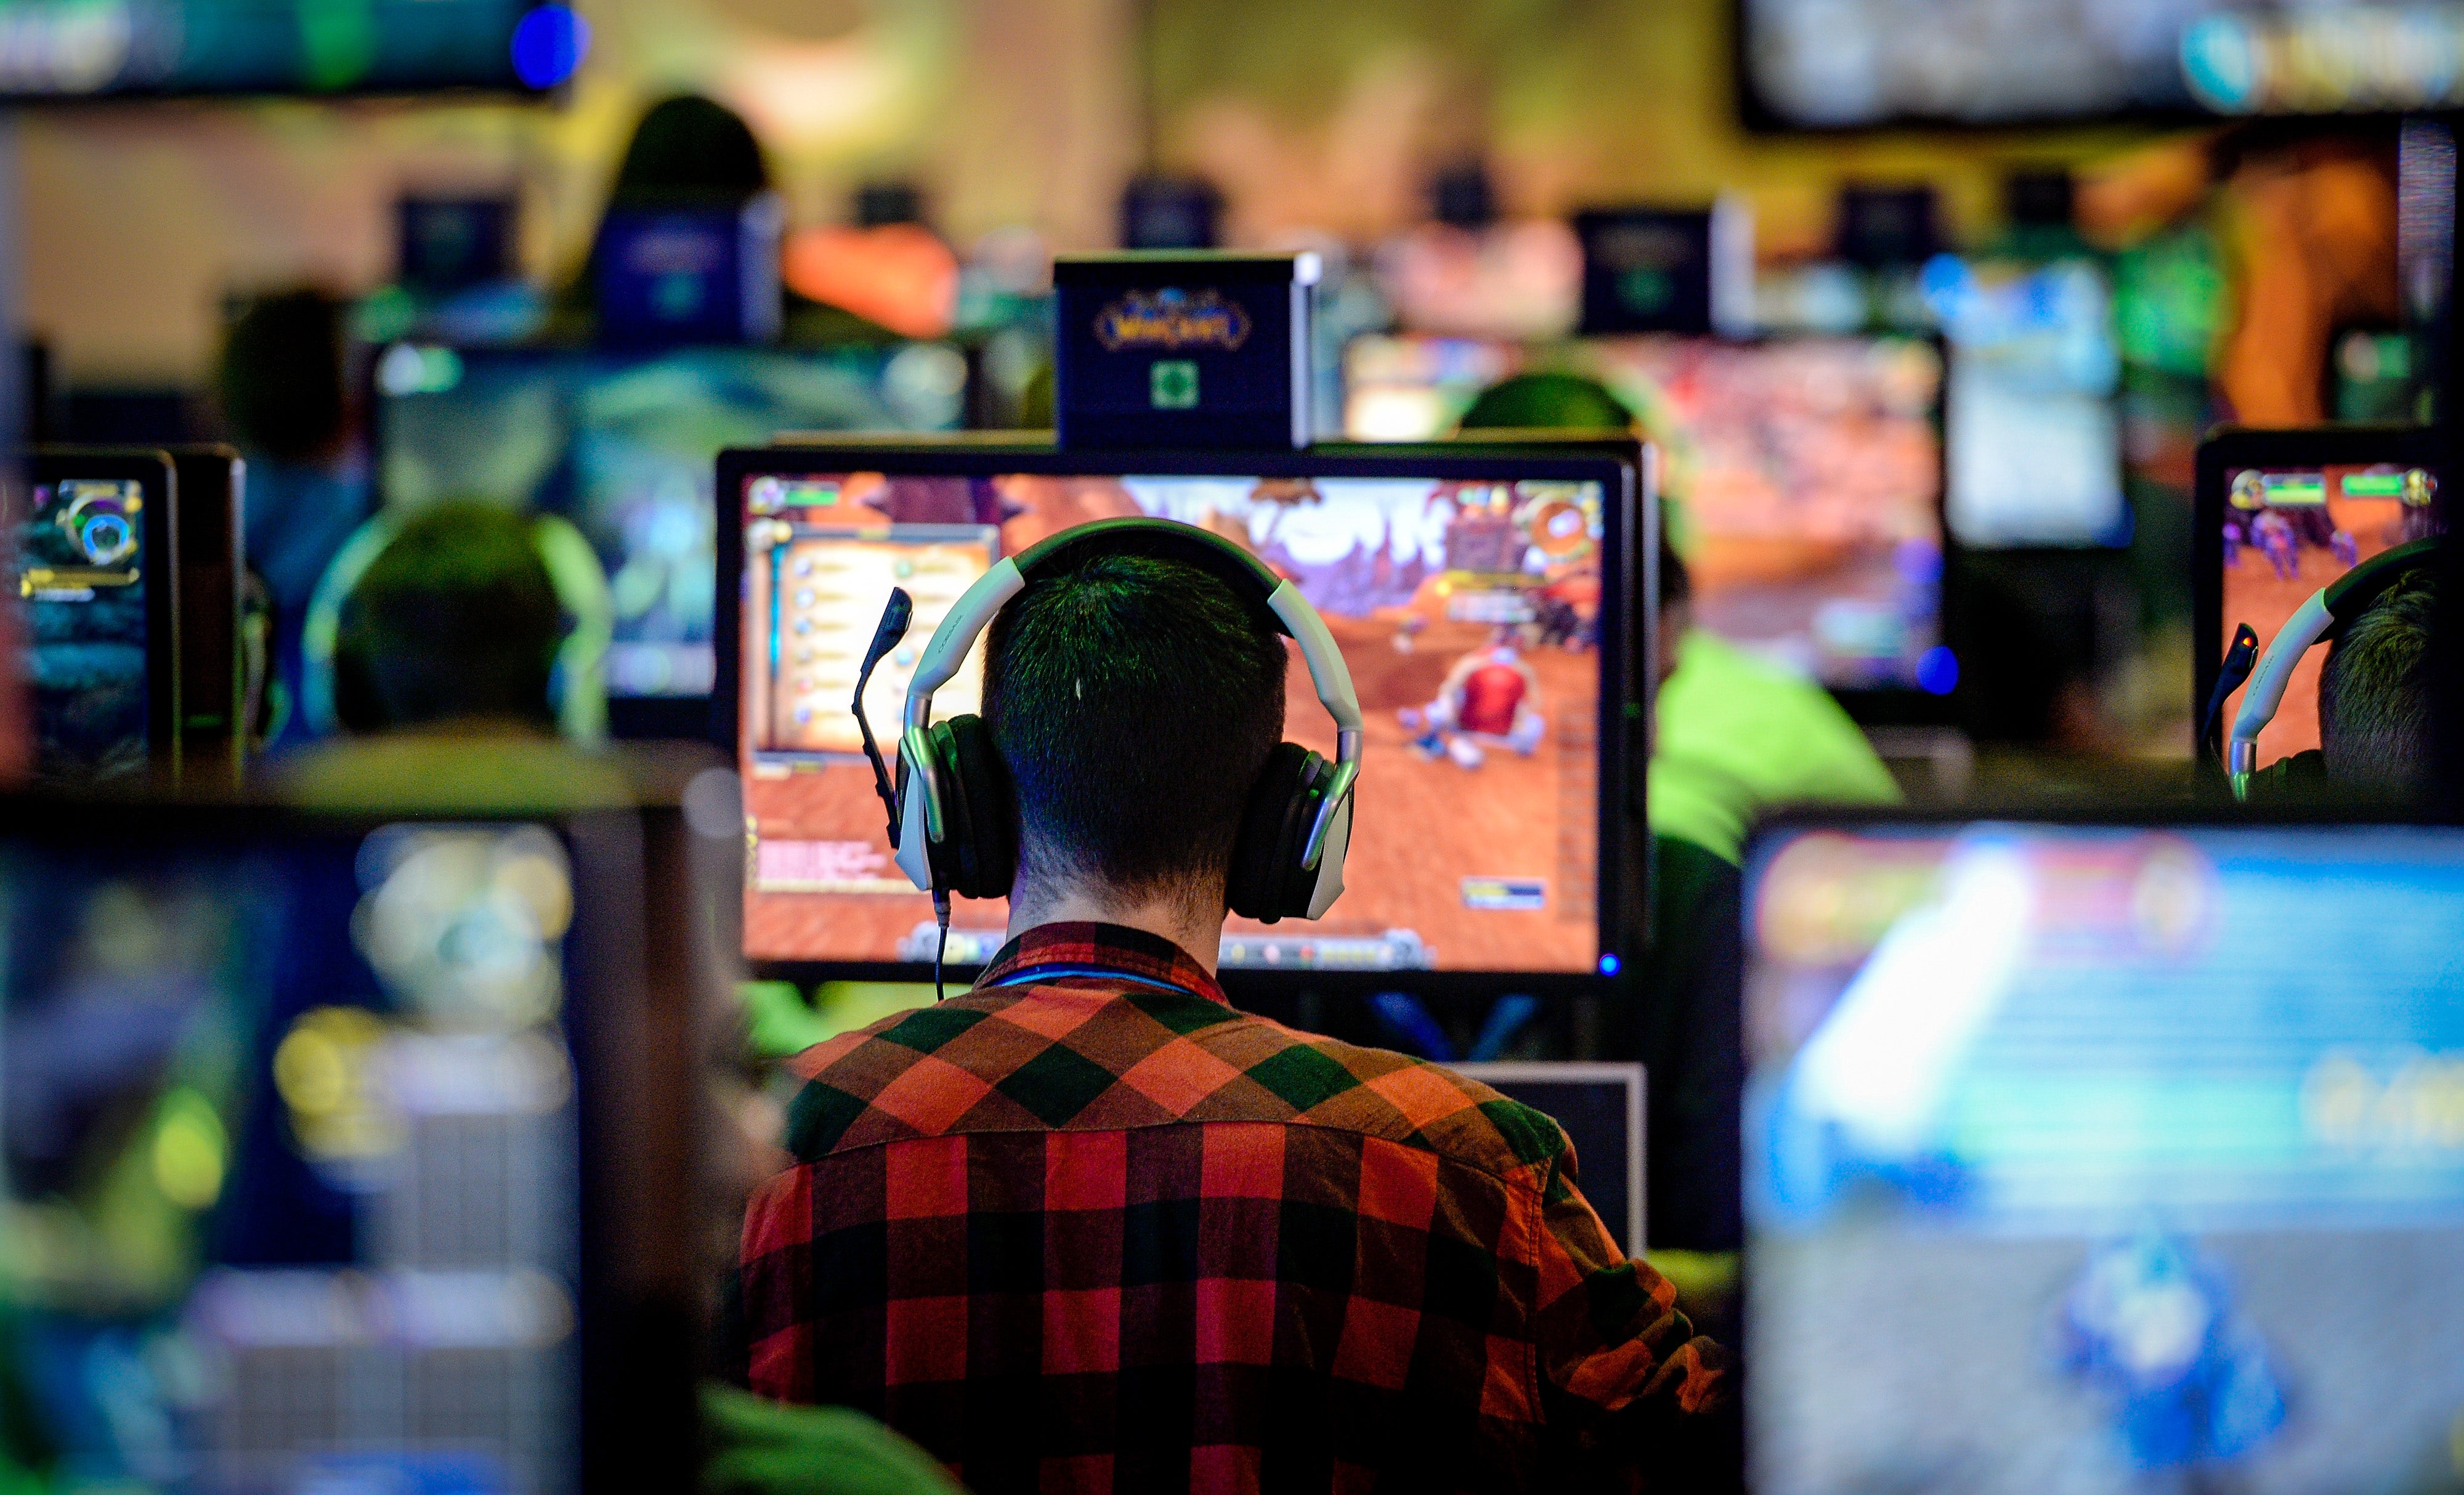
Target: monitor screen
{"points": [[1806, 474], [1836, 64], [292, 1157], [2032, 433], [81, 565], [622, 444], [2291, 530], [147, 47], [1471, 612], [2111, 1158]]}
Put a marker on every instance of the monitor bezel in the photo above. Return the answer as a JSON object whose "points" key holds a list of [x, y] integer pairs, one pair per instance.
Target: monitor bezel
{"points": [[636, 1035], [1629, 577], [2227, 448]]}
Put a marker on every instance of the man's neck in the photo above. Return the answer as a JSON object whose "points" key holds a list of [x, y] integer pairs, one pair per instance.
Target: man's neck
{"points": [[1195, 929]]}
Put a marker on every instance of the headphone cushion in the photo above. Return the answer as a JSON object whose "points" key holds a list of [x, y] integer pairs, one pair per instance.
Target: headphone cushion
{"points": [[1272, 825], [980, 852]]}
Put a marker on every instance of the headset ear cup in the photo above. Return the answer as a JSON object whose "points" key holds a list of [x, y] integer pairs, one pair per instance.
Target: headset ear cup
{"points": [[986, 843], [1300, 882], [1255, 887]]}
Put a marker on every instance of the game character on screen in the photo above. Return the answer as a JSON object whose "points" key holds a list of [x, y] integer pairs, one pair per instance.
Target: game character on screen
{"points": [[1089, 1224], [1490, 698], [2186, 1378]]}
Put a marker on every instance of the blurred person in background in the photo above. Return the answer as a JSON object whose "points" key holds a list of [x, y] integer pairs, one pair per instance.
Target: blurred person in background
{"points": [[453, 627], [285, 393]]}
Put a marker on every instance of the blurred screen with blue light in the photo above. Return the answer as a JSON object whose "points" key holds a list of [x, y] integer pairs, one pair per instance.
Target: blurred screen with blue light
{"points": [[2105, 1155], [292, 1155], [69, 49]]}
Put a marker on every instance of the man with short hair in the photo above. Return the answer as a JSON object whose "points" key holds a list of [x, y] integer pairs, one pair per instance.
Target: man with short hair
{"points": [[1089, 1227], [2375, 690]]}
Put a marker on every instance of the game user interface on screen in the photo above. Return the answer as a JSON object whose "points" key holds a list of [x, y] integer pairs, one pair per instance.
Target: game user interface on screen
{"points": [[2112, 1157], [623, 447], [81, 565], [292, 1157], [1803, 476], [1469, 612], [2032, 434], [2289, 532]]}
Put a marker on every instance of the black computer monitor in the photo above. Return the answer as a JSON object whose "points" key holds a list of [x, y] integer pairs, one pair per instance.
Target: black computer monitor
{"points": [[1600, 1108], [2278, 516], [621, 443], [95, 548], [1473, 852], [1804, 476], [2113, 1154], [347, 1150], [212, 481]]}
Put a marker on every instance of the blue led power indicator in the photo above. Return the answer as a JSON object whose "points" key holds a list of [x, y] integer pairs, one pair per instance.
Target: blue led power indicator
{"points": [[1609, 965]]}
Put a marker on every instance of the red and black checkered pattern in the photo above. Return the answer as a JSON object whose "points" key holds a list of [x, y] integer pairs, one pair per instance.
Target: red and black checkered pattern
{"points": [[1097, 1234]]}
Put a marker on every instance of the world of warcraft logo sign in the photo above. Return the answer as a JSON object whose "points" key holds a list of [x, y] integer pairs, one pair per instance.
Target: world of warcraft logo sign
{"points": [[1171, 319]]}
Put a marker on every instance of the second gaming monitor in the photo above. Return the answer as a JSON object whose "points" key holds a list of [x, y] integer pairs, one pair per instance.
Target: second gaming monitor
{"points": [[621, 443], [1481, 598]]}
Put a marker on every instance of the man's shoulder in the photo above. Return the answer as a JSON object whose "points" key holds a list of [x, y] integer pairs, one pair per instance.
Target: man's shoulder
{"points": [[1054, 1059]]}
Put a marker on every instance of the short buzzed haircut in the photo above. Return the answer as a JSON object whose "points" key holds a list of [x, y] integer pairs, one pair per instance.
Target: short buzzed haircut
{"points": [[2375, 688], [1133, 701]]}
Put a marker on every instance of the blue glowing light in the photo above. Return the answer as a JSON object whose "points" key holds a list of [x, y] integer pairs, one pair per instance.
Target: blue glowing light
{"points": [[1609, 965], [1938, 670], [549, 44]]}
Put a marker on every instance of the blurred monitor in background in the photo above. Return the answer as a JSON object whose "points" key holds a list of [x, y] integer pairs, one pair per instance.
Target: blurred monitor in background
{"points": [[1846, 64], [623, 445], [2033, 437], [1807, 471], [330, 1142], [94, 546], [189, 47], [2142, 1132]]}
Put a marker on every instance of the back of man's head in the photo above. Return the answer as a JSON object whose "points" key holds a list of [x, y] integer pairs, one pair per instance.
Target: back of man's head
{"points": [[2374, 692], [456, 621], [1133, 701]]}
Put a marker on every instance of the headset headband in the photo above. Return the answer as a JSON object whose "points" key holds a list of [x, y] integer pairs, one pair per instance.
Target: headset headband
{"points": [[2327, 611], [1171, 540]]}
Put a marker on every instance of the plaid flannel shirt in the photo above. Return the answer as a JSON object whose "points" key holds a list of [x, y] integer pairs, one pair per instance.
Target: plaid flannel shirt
{"points": [[1089, 1227]]}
